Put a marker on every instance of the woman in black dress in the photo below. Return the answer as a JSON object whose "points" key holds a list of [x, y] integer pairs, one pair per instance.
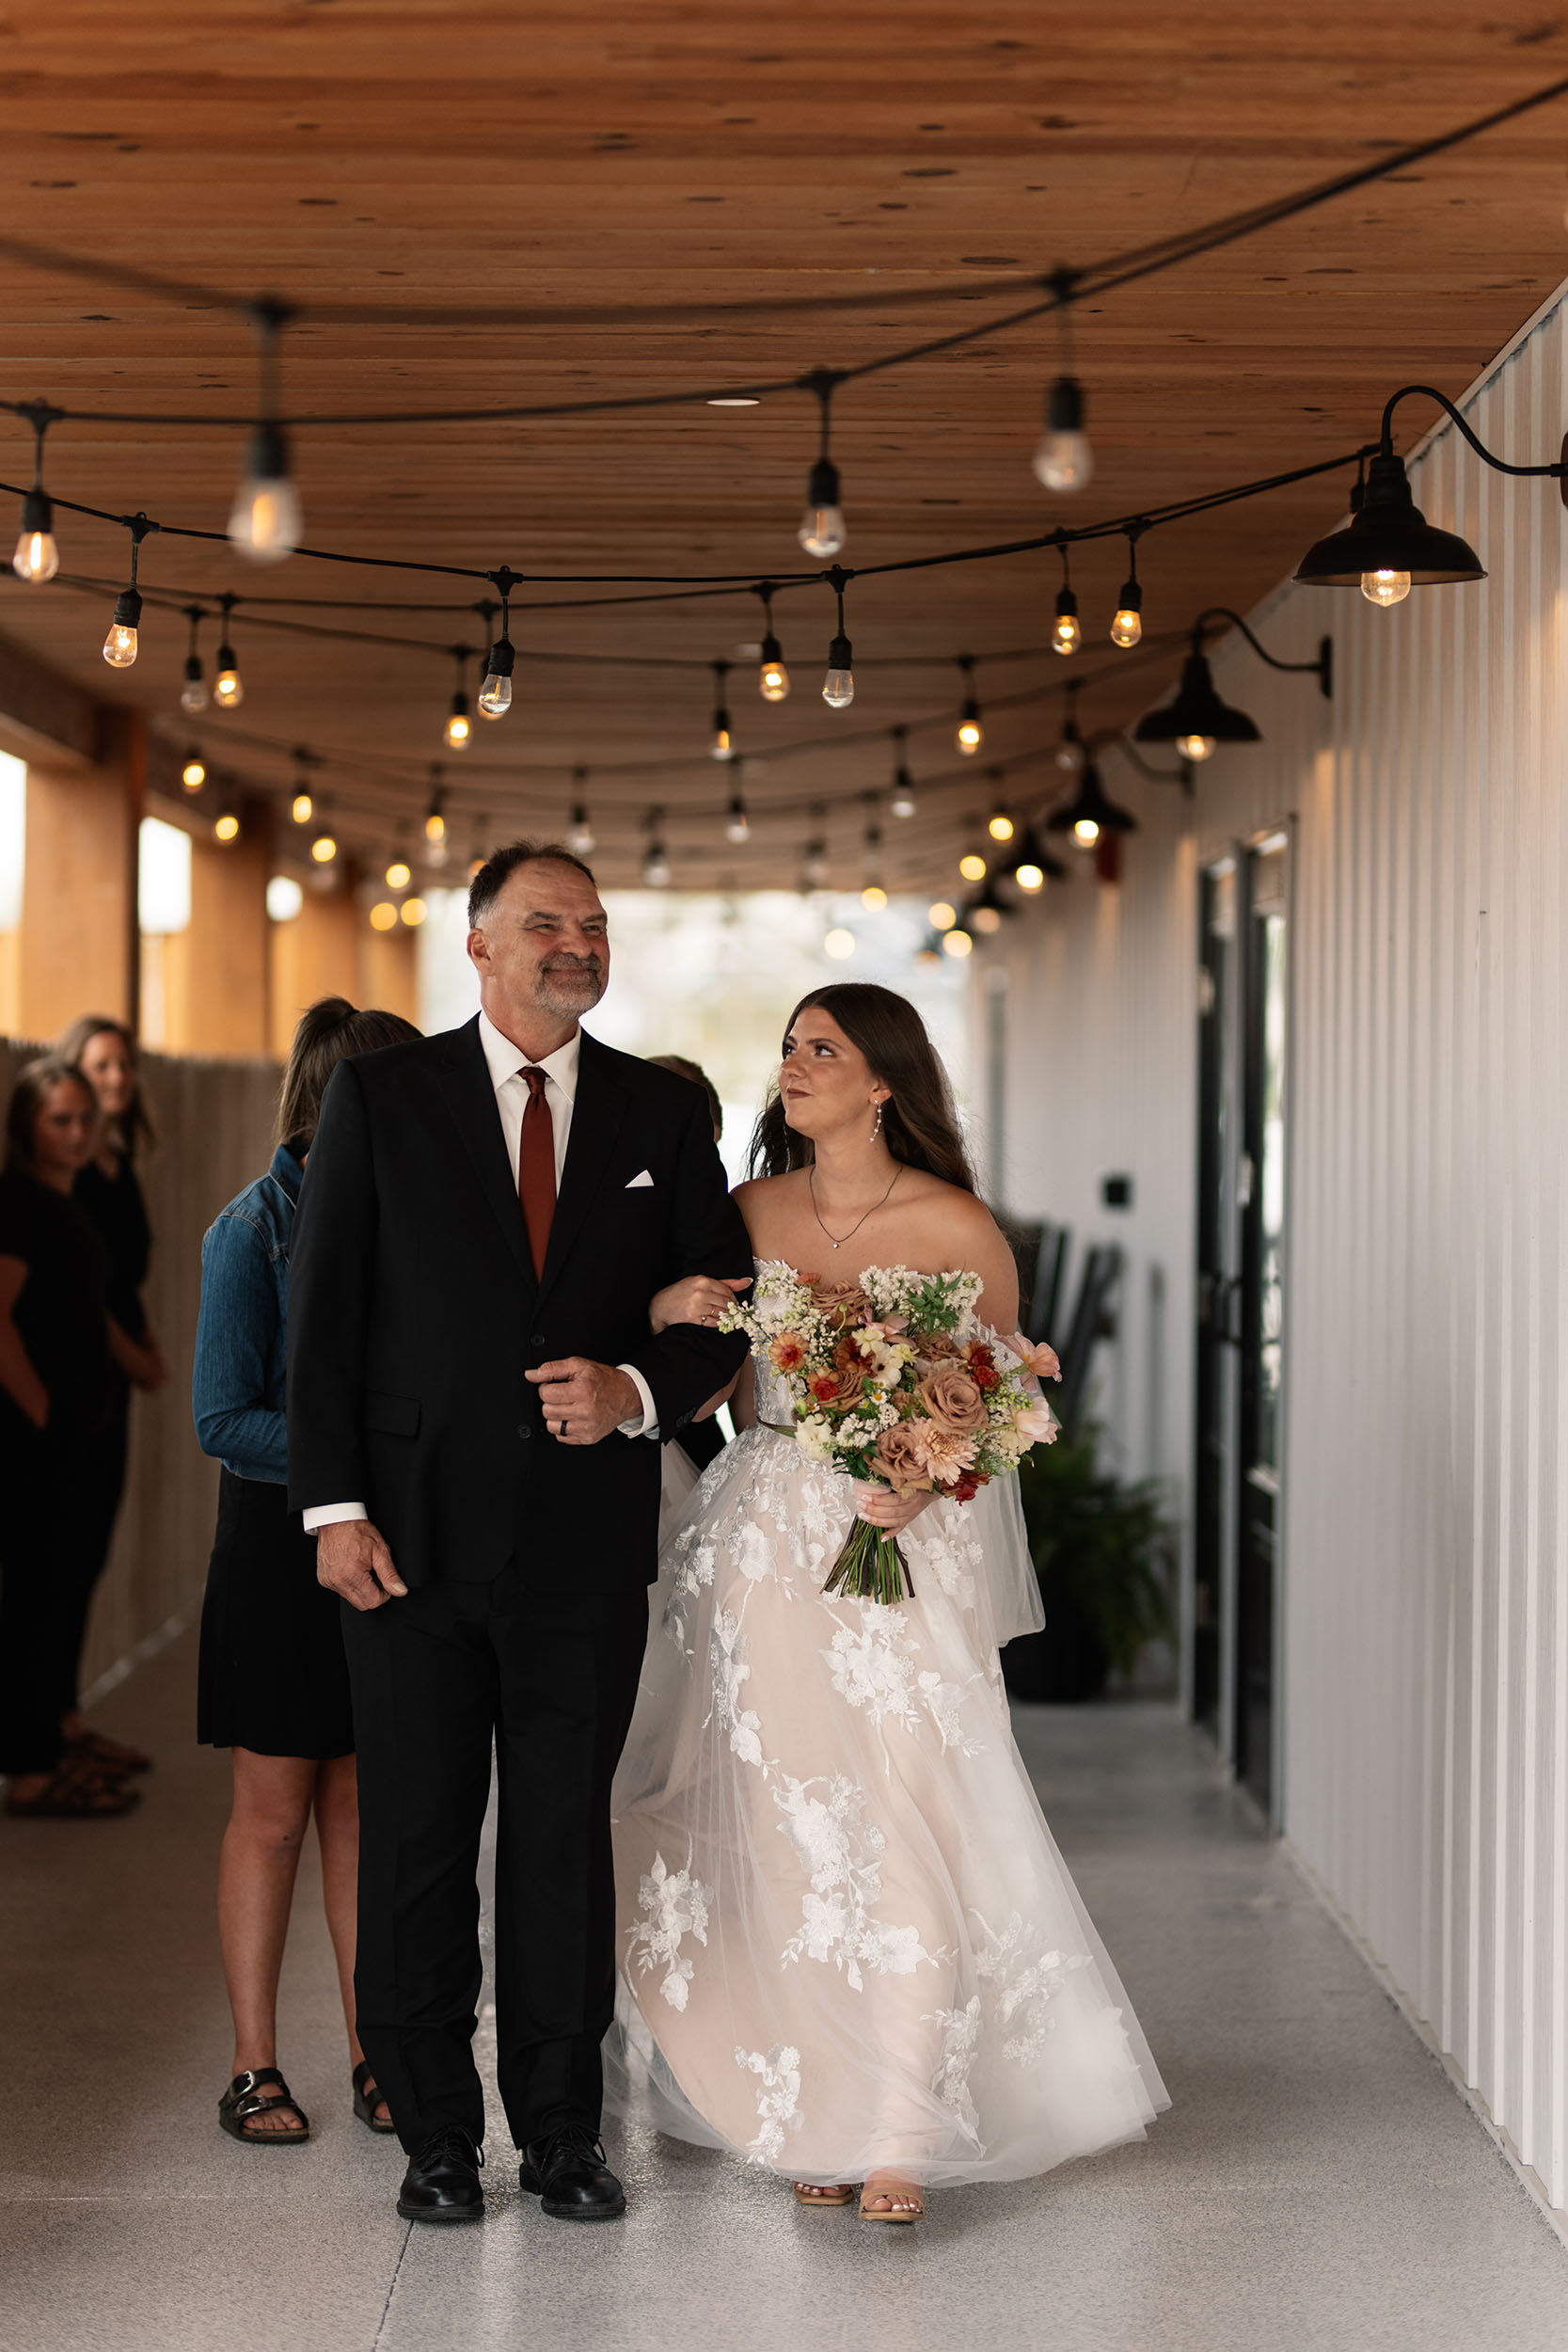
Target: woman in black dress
{"points": [[104, 1053], [273, 1686], [56, 1407]]}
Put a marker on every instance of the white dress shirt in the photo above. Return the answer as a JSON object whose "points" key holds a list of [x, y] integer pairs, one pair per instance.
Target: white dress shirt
{"points": [[506, 1065]]}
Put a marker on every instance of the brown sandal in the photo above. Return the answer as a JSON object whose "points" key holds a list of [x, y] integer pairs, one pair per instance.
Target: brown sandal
{"points": [[243, 2100], [893, 2185], [806, 2195], [71, 1794]]}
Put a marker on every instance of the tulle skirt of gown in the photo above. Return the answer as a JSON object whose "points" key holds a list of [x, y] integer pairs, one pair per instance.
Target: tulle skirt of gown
{"points": [[846, 1938]]}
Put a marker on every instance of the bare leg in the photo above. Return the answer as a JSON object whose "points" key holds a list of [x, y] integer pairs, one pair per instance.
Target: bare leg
{"points": [[337, 1829], [257, 1865]]}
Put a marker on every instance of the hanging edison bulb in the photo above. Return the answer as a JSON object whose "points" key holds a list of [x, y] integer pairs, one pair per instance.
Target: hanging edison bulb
{"points": [[1127, 626], [1196, 746], [738, 825], [579, 836], [37, 558], [1066, 636], [399, 874], [121, 644], [459, 725], [228, 685], [193, 775], [495, 695], [303, 808], [1063, 458], [838, 686], [822, 529], [324, 849], [193, 693], [998, 824], [772, 679], [227, 825], [265, 522]]}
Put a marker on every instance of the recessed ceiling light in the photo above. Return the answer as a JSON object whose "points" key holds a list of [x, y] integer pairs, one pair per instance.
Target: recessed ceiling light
{"points": [[744, 402]]}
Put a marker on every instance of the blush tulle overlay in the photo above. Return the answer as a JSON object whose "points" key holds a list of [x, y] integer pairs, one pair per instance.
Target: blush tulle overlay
{"points": [[846, 1938]]}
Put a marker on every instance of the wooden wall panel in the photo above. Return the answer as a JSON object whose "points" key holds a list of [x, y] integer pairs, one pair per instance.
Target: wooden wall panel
{"points": [[1425, 1648]]}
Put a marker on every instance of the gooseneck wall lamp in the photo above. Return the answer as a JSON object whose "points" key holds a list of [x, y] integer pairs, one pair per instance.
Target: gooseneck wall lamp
{"points": [[1389, 547], [1198, 719]]}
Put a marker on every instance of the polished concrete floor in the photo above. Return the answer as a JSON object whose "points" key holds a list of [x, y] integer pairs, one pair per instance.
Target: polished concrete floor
{"points": [[1317, 2182]]}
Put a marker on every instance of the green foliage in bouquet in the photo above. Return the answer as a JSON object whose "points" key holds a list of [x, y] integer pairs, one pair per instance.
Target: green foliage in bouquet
{"points": [[1098, 1545]]}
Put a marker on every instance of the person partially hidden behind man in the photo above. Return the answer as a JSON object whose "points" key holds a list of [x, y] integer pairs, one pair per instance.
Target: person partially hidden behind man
{"points": [[472, 1388]]}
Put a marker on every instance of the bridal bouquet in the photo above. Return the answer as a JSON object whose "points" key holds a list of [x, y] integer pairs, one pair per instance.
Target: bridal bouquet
{"points": [[891, 1381]]}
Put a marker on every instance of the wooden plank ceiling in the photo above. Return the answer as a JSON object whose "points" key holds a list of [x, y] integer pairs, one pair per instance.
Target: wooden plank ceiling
{"points": [[654, 155]]}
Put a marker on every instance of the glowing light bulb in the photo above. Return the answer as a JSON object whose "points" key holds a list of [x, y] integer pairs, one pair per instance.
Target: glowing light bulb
{"points": [[434, 825], [459, 725], [902, 801], [580, 839], [838, 687], [972, 865], [264, 521], [495, 697], [722, 745], [1085, 833], [193, 775], [822, 529], [122, 643], [772, 679], [942, 917], [1195, 746], [956, 942], [971, 733], [412, 912], [1030, 878], [1066, 634], [840, 945], [194, 695], [324, 849], [384, 916], [874, 898], [1128, 625], [37, 558], [303, 808], [999, 825], [1386, 587], [227, 827], [738, 825], [986, 920], [656, 868], [228, 685], [1063, 458], [399, 874]]}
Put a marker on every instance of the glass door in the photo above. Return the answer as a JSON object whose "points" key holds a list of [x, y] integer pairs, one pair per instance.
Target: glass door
{"points": [[1218, 1283], [1260, 1203]]}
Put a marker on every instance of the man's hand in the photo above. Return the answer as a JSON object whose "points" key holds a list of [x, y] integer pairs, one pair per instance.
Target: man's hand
{"points": [[583, 1400], [700, 1298], [353, 1560]]}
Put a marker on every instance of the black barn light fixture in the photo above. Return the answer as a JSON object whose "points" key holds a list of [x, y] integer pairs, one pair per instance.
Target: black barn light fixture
{"points": [[1198, 719], [1389, 547], [1091, 811]]}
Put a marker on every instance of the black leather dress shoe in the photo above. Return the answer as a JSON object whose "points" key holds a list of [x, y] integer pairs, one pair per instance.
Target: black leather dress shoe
{"points": [[442, 2181], [567, 2172]]}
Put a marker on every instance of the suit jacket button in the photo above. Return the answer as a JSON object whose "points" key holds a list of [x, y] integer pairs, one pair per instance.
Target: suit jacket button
{"points": [[536, 1339], [523, 1430]]}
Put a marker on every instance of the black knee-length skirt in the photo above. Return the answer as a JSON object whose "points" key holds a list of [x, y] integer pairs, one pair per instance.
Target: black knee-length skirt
{"points": [[272, 1676]]}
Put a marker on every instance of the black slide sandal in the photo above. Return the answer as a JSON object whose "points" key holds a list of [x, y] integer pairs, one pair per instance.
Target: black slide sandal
{"points": [[364, 2105], [241, 2101]]}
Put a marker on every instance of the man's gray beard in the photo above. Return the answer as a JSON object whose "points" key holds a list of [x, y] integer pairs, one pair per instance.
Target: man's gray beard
{"points": [[564, 1005]]}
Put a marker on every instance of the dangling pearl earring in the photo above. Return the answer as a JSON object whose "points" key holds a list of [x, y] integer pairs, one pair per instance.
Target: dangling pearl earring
{"points": [[877, 1129]]}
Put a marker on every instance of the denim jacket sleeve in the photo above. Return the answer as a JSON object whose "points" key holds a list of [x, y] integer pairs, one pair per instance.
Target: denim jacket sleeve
{"points": [[236, 1337]]}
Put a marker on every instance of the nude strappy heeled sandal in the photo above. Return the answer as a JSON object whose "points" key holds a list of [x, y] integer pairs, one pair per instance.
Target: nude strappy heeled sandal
{"points": [[889, 2187], [806, 2195]]}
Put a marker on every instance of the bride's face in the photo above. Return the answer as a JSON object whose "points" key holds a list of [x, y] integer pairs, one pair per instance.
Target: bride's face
{"points": [[825, 1083]]}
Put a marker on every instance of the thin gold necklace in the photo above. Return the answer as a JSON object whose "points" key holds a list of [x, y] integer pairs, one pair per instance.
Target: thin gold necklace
{"points": [[811, 1181]]}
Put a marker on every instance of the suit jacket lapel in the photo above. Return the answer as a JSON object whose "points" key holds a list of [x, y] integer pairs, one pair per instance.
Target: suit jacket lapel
{"points": [[598, 1111], [471, 1099]]}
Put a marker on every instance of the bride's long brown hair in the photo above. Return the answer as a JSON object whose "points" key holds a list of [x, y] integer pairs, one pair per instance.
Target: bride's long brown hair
{"points": [[920, 1125]]}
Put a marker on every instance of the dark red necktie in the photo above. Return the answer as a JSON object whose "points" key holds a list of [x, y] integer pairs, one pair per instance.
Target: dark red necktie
{"points": [[536, 1170]]}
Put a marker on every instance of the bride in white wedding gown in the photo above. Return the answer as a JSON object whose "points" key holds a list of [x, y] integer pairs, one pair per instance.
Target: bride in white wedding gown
{"points": [[850, 1949]]}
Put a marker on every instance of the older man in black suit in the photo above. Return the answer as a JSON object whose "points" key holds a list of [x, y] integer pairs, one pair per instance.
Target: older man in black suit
{"points": [[472, 1387]]}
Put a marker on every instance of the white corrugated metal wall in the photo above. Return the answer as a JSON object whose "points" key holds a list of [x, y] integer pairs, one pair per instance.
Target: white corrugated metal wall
{"points": [[1424, 1748]]}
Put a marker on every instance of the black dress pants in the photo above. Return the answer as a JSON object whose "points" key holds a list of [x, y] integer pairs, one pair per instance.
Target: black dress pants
{"points": [[551, 1676]]}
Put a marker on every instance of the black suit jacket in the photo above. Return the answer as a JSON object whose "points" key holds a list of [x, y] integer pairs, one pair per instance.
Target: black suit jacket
{"points": [[414, 1312]]}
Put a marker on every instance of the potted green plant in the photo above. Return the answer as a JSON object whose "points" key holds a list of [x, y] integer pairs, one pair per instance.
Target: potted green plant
{"points": [[1098, 1545]]}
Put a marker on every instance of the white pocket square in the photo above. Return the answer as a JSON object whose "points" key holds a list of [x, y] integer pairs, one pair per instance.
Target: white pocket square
{"points": [[635, 1181]]}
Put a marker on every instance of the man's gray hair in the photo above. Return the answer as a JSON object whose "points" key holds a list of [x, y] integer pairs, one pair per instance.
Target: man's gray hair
{"points": [[500, 866]]}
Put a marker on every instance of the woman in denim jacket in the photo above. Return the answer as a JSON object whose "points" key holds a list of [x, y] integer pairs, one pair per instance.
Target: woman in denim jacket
{"points": [[274, 1687]]}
